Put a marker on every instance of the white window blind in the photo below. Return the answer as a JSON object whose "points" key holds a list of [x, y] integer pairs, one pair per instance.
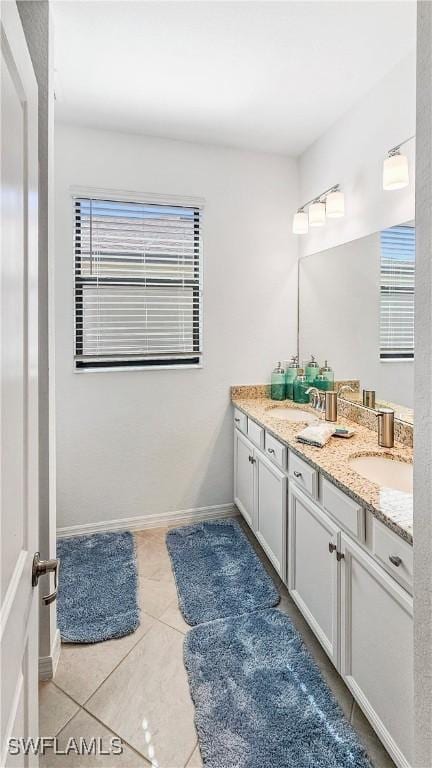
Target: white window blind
{"points": [[138, 284], [397, 293]]}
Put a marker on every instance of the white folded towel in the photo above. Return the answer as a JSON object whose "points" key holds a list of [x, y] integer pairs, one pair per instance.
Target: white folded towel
{"points": [[316, 434]]}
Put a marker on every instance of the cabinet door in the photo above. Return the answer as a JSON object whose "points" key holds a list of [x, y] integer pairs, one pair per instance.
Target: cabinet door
{"points": [[377, 649], [244, 477], [313, 568], [271, 508]]}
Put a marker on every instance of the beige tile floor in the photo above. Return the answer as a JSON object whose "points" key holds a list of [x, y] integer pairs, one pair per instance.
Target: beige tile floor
{"points": [[136, 688]]}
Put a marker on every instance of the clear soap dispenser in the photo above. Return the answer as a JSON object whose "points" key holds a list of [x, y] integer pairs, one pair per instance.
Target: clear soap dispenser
{"points": [[278, 388], [290, 375], [328, 373]]}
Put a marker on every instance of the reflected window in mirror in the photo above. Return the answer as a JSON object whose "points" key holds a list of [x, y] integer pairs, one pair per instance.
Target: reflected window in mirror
{"points": [[397, 277]]}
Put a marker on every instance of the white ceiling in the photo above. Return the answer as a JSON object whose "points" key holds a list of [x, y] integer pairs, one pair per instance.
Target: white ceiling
{"points": [[269, 76]]}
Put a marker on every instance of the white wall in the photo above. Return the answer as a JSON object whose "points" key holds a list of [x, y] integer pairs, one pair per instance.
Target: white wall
{"points": [[340, 318], [351, 153], [143, 442]]}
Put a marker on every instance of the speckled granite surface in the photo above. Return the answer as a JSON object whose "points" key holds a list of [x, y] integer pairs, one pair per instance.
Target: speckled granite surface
{"points": [[393, 508]]}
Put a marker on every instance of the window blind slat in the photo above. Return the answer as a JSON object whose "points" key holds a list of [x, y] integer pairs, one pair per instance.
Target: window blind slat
{"points": [[397, 293], [138, 283]]}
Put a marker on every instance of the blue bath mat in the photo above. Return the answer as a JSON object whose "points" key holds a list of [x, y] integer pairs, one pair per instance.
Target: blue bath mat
{"points": [[260, 699], [97, 598], [217, 572]]}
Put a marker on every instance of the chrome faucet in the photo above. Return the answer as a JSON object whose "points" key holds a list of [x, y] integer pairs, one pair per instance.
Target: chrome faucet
{"points": [[316, 398]]}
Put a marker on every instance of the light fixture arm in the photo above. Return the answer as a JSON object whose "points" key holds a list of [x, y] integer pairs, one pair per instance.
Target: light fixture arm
{"points": [[395, 150], [318, 198]]}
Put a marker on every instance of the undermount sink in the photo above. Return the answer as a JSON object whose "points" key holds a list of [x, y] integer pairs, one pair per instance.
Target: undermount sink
{"points": [[291, 414], [385, 471]]}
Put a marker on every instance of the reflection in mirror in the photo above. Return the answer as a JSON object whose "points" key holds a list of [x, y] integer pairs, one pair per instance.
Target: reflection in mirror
{"points": [[356, 310]]}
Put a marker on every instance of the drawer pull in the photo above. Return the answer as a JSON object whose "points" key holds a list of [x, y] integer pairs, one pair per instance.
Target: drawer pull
{"points": [[339, 556], [395, 560], [252, 460], [297, 474], [270, 450], [237, 420], [332, 547]]}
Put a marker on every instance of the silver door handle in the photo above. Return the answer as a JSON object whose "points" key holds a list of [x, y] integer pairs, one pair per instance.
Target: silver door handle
{"points": [[40, 568]]}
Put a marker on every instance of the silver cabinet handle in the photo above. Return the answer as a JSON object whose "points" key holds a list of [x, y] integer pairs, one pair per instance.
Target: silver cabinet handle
{"points": [[298, 474], [395, 560], [270, 450]]}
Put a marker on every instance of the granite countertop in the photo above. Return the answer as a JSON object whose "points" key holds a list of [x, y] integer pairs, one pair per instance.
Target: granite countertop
{"points": [[393, 508]]}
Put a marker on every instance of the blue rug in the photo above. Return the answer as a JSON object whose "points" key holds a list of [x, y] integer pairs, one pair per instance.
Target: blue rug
{"points": [[217, 572], [260, 699], [97, 598]]}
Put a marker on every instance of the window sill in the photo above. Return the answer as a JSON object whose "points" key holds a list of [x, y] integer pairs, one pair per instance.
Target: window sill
{"points": [[132, 369]]}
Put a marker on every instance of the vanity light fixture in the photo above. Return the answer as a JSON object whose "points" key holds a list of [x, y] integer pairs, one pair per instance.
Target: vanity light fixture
{"points": [[317, 214], [329, 203], [335, 204], [395, 168], [300, 222]]}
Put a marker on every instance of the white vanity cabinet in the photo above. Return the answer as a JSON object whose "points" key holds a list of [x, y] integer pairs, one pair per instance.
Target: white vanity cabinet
{"points": [[244, 477], [313, 568], [349, 575], [260, 493], [377, 648], [271, 507]]}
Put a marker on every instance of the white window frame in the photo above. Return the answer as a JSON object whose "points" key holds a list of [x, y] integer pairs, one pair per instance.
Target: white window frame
{"points": [[100, 193]]}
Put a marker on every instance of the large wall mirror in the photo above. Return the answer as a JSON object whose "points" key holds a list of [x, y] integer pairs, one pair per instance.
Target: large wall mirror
{"points": [[356, 310]]}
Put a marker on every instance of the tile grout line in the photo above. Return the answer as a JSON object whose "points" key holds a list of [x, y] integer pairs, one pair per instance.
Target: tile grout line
{"points": [[122, 739], [190, 756]]}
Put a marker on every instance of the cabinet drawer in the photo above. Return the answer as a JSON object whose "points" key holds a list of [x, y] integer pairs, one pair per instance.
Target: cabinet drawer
{"points": [[276, 451], [240, 420], [347, 512], [385, 545], [255, 433], [304, 475]]}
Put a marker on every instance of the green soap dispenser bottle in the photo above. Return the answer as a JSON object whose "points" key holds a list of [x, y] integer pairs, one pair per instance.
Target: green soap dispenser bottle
{"points": [[278, 388], [328, 372], [300, 387], [322, 383], [291, 372], [312, 370]]}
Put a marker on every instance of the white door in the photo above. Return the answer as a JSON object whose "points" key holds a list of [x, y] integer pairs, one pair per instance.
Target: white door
{"points": [[271, 507], [244, 477], [377, 648], [19, 388], [313, 569]]}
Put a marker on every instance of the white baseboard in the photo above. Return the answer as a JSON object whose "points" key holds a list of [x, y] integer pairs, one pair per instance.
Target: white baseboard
{"points": [[182, 516], [48, 664]]}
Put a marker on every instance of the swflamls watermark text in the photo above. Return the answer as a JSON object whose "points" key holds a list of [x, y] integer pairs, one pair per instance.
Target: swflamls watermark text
{"points": [[41, 745]]}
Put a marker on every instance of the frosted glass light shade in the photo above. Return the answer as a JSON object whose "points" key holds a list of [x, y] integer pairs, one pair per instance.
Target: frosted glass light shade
{"points": [[395, 172], [300, 223], [317, 214], [335, 205]]}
